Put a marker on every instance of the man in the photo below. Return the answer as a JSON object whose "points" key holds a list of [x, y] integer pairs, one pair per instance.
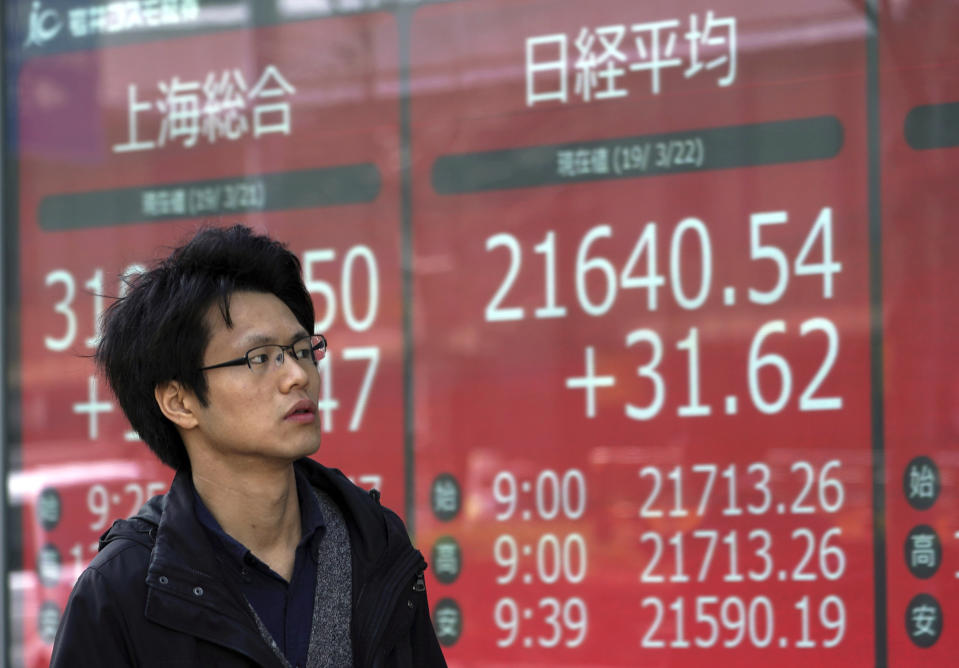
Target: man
{"points": [[257, 556]]}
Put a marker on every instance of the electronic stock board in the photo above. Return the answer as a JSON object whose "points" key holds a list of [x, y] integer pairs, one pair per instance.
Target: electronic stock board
{"points": [[639, 313]]}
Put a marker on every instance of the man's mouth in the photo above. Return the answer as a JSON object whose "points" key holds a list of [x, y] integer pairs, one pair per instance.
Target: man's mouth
{"points": [[302, 411]]}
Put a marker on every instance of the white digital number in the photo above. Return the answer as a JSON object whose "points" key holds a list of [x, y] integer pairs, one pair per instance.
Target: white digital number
{"points": [[328, 402], [822, 229], [494, 311], [648, 370], [548, 249], [651, 281], [598, 276], [506, 555], [506, 618], [585, 265], [318, 286], [563, 618], [705, 262], [757, 361], [373, 288], [758, 251], [64, 308], [808, 402], [505, 493]]}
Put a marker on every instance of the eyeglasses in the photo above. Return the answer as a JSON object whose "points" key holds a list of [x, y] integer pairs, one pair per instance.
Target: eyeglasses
{"points": [[308, 349]]}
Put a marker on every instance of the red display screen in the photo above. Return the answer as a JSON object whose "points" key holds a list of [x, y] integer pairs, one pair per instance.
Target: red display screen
{"points": [[174, 135], [638, 313], [920, 111], [646, 364]]}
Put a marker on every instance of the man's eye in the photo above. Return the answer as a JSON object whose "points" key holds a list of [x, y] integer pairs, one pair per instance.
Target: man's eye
{"points": [[259, 358], [302, 353]]}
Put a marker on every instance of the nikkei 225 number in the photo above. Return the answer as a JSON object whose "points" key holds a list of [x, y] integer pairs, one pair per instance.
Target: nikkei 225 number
{"points": [[599, 280]]}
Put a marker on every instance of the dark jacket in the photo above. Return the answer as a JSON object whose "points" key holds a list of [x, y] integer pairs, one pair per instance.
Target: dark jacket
{"points": [[156, 594]]}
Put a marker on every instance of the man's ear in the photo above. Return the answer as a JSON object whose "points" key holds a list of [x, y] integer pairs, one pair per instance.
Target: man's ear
{"points": [[177, 403]]}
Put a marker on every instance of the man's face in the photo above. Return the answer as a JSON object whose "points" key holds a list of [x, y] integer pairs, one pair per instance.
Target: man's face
{"points": [[265, 415]]}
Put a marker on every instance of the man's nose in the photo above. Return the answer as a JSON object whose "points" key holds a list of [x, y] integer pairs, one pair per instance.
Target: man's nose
{"points": [[294, 370]]}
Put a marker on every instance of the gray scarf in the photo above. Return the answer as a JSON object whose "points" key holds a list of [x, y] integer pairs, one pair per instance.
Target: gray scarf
{"points": [[330, 645]]}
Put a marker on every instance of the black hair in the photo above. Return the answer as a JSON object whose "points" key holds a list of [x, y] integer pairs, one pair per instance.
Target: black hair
{"points": [[158, 332]]}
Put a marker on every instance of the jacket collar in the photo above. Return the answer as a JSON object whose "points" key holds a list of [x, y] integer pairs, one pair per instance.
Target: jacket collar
{"points": [[190, 591], [187, 588], [168, 523]]}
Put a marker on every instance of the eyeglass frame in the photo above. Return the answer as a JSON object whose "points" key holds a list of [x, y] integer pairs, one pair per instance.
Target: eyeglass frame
{"points": [[239, 361]]}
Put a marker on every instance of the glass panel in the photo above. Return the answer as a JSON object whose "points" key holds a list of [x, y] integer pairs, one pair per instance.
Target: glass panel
{"points": [[641, 310]]}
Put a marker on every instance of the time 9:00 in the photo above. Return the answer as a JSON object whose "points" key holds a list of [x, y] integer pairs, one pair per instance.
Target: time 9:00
{"points": [[553, 494]]}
